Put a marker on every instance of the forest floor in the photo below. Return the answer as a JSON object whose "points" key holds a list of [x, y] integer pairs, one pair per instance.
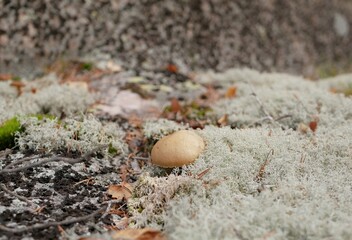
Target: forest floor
{"points": [[79, 165]]}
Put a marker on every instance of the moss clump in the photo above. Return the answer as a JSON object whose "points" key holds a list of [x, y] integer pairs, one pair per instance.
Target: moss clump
{"points": [[12, 126], [7, 133]]}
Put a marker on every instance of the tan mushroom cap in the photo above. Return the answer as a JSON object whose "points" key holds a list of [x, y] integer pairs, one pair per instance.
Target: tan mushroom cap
{"points": [[177, 149]]}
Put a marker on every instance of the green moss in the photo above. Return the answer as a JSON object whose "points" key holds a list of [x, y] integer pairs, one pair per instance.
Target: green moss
{"points": [[16, 78], [9, 128], [112, 150], [7, 133], [87, 66]]}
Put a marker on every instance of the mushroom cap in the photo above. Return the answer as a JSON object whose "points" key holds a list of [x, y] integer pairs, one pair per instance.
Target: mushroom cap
{"points": [[177, 149]]}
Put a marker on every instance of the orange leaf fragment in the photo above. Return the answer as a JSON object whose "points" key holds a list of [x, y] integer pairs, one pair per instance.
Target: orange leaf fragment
{"points": [[313, 125], [122, 191], [18, 85], [333, 90], [5, 76], [139, 234], [231, 92], [175, 105], [223, 121], [172, 68]]}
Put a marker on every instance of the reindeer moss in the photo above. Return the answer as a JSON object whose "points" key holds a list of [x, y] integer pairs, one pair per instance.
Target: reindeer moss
{"points": [[262, 181]]}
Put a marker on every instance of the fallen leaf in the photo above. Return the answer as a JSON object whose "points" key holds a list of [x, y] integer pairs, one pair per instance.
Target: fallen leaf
{"points": [[172, 68], [18, 85], [5, 77], [333, 90], [138, 234], [175, 105], [231, 92], [211, 95], [122, 191], [313, 125], [223, 121], [126, 103]]}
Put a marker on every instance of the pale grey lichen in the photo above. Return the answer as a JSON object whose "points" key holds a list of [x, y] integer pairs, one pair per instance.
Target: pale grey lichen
{"points": [[305, 186], [70, 135], [152, 195], [43, 96], [289, 99], [156, 129]]}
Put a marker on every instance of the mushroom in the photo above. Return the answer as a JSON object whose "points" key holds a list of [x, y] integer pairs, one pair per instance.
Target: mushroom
{"points": [[177, 149]]}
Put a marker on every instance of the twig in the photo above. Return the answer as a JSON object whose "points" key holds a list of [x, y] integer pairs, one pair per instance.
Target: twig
{"points": [[43, 161], [260, 175], [267, 116], [141, 158], [51, 224], [17, 162], [260, 102], [88, 180], [202, 173], [283, 116], [108, 208], [5, 189], [302, 104]]}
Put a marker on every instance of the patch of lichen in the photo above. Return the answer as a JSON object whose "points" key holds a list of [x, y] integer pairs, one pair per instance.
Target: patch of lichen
{"points": [[10, 127]]}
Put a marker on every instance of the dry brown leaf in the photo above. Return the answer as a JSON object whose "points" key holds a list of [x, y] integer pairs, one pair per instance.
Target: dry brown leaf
{"points": [[211, 95], [125, 103], [175, 105], [231, 92], [223, 121], [5, 77], [122, 191], [138, 234], [18, 85], [313, 125], [172, 68]]}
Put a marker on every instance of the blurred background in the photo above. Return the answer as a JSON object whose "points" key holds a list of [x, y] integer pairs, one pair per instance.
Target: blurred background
{"points": [[310, 38]]}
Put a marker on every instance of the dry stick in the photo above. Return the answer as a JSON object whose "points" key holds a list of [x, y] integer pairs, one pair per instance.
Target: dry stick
{"points": [[5, 189], [53, 159], [108, 208], [51, 224], [268, 116], [283, 116], [17, 162], [141, 158], [260, 175]]}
